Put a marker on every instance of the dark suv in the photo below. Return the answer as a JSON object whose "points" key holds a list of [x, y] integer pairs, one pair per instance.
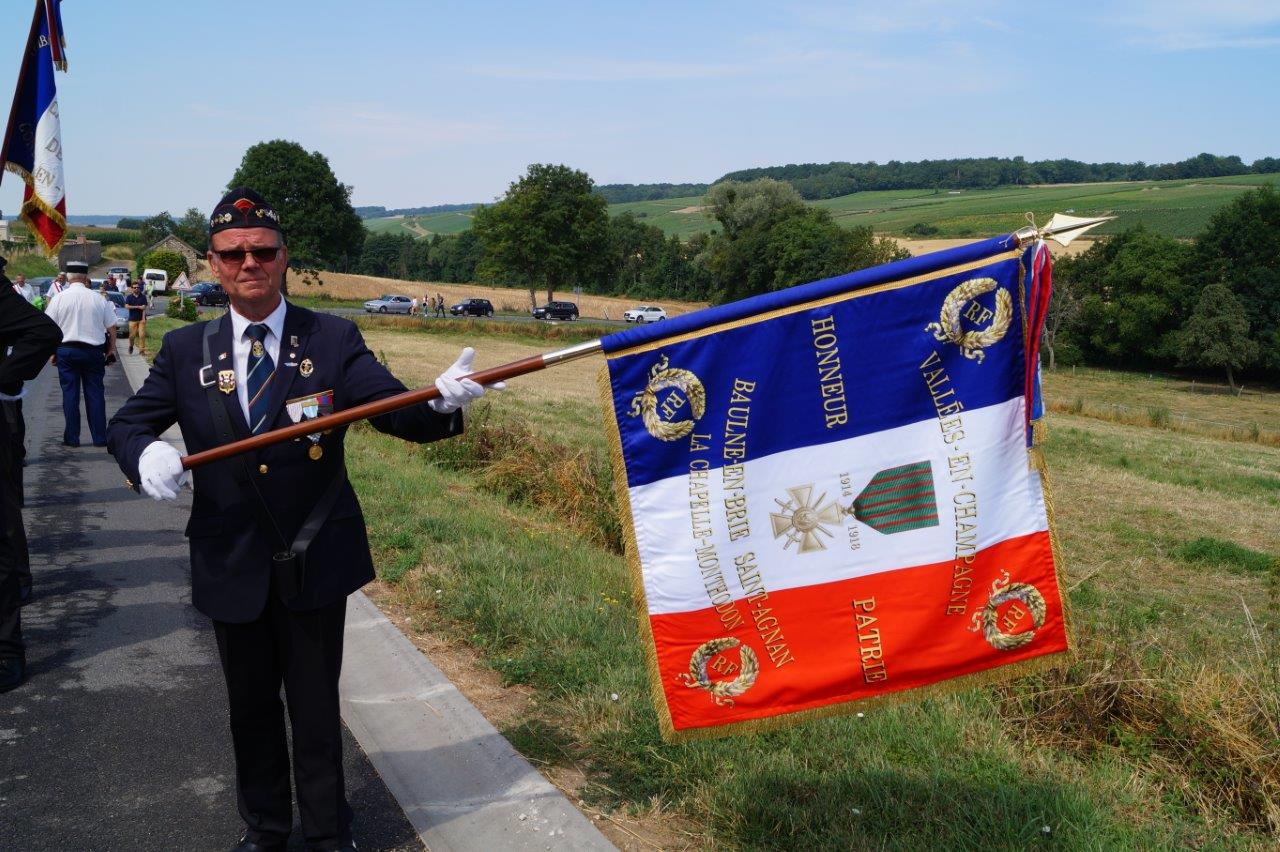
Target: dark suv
{"points": [[473, 308], [557, 310], [209, 293]]}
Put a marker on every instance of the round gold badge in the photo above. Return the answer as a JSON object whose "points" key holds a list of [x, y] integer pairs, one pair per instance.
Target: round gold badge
{"points": [[315, 452]]}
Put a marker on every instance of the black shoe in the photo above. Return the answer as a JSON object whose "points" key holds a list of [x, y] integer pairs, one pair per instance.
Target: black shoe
{"points": [[96, 444], [24, 594], [69, 444], [12, 673]]}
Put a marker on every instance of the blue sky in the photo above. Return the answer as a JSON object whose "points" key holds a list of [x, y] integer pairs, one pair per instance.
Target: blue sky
{"points": [[419, 103]]}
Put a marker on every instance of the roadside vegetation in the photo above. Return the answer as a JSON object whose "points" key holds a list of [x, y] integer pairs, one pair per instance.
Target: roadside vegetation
{"points": [[1163, 729]]}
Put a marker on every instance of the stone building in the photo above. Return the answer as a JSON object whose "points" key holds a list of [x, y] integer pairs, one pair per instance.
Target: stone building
{"points": [[171, 243]]}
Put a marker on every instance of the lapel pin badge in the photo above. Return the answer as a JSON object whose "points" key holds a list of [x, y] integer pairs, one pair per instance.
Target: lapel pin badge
{"points": [[226, 380], [293, 341], [307, 368]]}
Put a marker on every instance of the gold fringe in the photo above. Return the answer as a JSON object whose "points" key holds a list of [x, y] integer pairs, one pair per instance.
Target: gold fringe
{"points": [[1036, 455], [950, 686], [818, 303], [40, 204], [632, 552]]}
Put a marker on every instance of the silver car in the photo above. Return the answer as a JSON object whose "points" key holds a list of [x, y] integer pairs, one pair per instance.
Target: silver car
{"points": [[122, 313], [389, 304]]}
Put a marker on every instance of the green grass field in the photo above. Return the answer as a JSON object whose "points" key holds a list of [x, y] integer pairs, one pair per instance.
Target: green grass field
{"points": [[421, 226], [1162, 732], [1175, 208]]}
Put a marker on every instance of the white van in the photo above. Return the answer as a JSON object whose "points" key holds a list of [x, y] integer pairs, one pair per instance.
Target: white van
{"points": [[155, 280]]}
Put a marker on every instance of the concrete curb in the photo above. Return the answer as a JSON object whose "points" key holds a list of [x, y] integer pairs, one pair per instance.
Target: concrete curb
{"points": [[460, 783]]}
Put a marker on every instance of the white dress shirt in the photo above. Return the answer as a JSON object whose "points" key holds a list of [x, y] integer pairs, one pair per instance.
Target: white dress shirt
{"points": [[242, 342], [83, 315], [25, 290]]}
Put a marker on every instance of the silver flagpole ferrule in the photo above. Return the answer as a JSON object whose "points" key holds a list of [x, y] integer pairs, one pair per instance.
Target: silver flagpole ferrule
{"points": [[572, 353], [1026, 235]]}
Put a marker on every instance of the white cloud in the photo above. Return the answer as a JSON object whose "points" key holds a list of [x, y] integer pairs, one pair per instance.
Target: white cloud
{"points": [[1183, 25]]}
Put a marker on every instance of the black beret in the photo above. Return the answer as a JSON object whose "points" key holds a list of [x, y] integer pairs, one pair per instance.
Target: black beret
{"points": [[243, 208]]}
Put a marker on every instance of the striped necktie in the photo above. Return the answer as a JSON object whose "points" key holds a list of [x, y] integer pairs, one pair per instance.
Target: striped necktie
{"points": [[261, 369]]}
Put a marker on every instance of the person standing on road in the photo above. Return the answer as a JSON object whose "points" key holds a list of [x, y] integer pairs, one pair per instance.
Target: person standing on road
{"points": [[88, 324], [439, 305], [137, 305], [27, 338], [23, 289], [59, 282], [277, 537]]}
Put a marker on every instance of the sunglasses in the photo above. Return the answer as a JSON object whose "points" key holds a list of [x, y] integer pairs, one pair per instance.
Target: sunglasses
{"points": [[236, 256]]}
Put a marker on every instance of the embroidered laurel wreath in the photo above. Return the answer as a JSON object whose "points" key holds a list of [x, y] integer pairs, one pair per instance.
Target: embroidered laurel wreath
{"points": [[1034, 603], [971, 342], [722, 691], [646, 402]]}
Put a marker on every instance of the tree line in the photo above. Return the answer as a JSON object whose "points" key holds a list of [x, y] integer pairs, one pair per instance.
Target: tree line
{"points": [[831, 180], [1142, 300], [1136, 300]]}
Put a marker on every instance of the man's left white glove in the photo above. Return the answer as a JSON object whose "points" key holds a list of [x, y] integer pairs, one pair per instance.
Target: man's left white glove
{"points": [[457, 392], [160, 469]]}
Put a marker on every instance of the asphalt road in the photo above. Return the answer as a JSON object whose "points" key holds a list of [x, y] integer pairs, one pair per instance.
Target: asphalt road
{"points": [[119, 738]]}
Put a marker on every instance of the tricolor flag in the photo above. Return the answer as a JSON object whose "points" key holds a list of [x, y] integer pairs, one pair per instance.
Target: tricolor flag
{"points": [[33, 141], [830, 494]]}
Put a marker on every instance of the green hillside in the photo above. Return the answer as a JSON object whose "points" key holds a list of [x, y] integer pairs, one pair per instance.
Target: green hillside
{"points": [[1176, 208], [421, 226]]}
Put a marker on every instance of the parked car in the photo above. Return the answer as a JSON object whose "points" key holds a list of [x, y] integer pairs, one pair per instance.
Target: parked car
{"points": [[117, 274], [41, 284], [209, 293], [644, 313], [96, 283], [556, 310], [388, 304], [122, 313], [473, 308]]}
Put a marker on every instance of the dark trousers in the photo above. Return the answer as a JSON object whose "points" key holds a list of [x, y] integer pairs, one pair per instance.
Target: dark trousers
{"points": [[302, 651], [15, 569], [83, 366], [12, 453]]}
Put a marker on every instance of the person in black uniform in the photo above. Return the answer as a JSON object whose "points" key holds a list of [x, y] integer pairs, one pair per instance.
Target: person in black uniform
{"points": [[277, 619], [27, 340]]}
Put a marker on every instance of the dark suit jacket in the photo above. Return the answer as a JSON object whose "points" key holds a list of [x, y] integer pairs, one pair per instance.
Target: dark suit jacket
{"points": [[230, 554]]}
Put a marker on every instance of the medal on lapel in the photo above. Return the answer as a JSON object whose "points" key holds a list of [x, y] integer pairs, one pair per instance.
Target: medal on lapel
{"points": [[306, 368], [227, 381]]}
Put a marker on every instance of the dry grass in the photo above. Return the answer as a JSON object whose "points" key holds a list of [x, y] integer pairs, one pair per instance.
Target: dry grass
{"points": [[338, 285], [1150, 400], [1210, 734]]}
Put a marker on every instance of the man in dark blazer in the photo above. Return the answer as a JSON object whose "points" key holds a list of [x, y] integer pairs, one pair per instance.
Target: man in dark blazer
{"points": [[265, 364], [27, 339]]}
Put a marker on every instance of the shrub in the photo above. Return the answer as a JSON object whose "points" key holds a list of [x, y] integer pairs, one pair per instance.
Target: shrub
{"points": [[183, 309], [170, 261], [920, 229]]}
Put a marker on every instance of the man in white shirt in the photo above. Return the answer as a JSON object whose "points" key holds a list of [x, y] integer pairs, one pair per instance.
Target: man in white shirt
{"points": [[60, 281], [23, 289], [88, 324]]}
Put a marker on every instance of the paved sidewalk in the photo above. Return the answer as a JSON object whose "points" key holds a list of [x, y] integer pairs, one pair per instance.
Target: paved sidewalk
{"points": [[123, 722], [119, 738]]}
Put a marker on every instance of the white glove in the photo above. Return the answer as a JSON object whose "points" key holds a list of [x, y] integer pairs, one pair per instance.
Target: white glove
{"points": [[457, 392], [160, 469]]}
